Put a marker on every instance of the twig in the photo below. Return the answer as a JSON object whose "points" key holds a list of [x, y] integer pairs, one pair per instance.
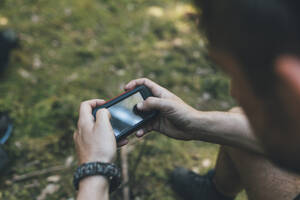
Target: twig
{"points": [[143, 150], [140, 155], [18, 178], [138, 160], [124, 160]]}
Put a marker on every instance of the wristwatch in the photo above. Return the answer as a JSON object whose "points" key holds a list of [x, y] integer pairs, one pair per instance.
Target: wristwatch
{"points": [[108, 170]]}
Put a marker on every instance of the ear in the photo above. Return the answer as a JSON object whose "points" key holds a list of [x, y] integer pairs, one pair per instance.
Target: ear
{"points": [[288, 70]]}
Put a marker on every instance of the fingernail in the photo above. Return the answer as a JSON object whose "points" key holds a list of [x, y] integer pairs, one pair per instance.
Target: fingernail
{"points": [[139, 132], [139, 106]]}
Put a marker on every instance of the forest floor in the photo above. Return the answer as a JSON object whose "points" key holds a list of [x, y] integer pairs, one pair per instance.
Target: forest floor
{"points": [[74, 50]]}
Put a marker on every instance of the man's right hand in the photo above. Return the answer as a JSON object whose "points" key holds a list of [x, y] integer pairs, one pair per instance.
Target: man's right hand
{"points": [[175, 118]]}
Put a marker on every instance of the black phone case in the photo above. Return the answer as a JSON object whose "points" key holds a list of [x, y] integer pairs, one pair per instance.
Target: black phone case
{"points": [[145, 92]]}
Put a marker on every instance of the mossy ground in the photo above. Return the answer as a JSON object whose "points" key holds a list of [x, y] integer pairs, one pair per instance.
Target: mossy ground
{"points": [[74, 50]]}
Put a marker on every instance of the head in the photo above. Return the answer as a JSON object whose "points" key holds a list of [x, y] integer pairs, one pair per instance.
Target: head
{"points": [[258, 44]]}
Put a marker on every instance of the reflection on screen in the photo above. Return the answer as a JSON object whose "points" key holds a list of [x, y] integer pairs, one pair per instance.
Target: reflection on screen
{"points": [[122, 114]]}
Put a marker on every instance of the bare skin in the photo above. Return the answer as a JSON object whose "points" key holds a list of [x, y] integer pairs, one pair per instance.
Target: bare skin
{"points": [[255, 173], [95, 141], [252, 171], [247, 166], [227, 128], [261, 179]]}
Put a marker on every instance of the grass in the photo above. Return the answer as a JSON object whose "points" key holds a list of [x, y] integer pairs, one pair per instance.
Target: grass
{"points": [[74, 50]]}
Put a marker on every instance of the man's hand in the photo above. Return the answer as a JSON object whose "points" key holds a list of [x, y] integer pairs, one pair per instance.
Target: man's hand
{"points": [[175, 116], [180, 121], [94, 140]]}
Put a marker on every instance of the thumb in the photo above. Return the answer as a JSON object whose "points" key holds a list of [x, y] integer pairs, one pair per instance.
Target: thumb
{"points": [[152, 103]]}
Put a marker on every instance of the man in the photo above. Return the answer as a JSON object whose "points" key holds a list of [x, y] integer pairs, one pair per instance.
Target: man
{"points": [[256, 42]]}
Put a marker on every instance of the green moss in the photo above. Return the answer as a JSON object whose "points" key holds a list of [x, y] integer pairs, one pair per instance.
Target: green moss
{"points": [[73, 50]]}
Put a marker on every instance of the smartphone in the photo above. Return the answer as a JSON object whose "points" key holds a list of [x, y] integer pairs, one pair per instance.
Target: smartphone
{"points": [[125, 118]]}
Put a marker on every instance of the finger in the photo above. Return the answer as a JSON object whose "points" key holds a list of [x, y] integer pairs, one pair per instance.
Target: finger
{"points": [[85, 112], [93, 103], [75, 134], [123, 142], [140, 133], [152, 103], [103, 127], [103, 118], [156, 89]]}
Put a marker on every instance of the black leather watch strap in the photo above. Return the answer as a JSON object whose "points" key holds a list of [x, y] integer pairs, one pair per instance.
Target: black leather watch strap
{"points": [[109, 170]]}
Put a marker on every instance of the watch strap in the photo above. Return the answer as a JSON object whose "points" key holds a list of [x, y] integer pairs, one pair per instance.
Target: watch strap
{"points": [[109, 170]]}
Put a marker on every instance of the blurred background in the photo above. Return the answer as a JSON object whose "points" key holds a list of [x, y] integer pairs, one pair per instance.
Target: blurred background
{"points": [[74, 50]]}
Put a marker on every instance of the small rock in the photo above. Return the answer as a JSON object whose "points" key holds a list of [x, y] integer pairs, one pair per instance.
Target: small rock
{"points": [[202, 71], [27, 75], [69, 161], [37, 63], [68, 11], [72, 77], [177, 42], [201, 43], [53, 179], [18, 144], [120, 72], [35, 18], [206, 96], [196, 54]]}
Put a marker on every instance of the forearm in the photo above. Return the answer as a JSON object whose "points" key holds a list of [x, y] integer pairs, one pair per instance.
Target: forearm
{"points": [[93, 188], [225, 128]]}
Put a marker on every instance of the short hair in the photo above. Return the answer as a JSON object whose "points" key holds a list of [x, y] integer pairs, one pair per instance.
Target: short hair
{"points": [[256, 32]]}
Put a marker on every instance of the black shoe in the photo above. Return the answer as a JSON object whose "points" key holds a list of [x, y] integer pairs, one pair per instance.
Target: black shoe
{"points": [[5, 132], [8, 41], [192, 186], [5, 128]]}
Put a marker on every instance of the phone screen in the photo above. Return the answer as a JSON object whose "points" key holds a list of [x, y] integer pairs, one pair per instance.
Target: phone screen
{"points": [[123, 115]]}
